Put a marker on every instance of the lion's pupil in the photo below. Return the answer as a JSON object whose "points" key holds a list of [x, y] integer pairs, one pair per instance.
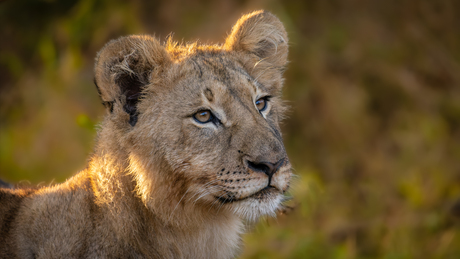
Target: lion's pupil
{"points": [[260, 104], [203, 116]]}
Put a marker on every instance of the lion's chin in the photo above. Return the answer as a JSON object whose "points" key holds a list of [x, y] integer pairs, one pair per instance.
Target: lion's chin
{"points": [[258, 205]]}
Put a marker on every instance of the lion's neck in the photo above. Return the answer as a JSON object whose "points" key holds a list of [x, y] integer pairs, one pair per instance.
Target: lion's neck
{"points": [[218, 239], [186, 231]]}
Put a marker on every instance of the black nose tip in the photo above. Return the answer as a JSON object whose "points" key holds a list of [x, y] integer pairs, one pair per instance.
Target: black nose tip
{"points": [[265, 167]]}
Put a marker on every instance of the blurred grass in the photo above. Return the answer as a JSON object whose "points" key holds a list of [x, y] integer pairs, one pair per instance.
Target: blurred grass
{"points": [[374, 131]]}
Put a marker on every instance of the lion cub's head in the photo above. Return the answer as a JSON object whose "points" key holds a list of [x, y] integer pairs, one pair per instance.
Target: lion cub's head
{"points": [[199, 124]]}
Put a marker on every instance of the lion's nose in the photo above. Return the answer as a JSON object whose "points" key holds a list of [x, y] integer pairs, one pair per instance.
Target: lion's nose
{"points": [[265, 167]]}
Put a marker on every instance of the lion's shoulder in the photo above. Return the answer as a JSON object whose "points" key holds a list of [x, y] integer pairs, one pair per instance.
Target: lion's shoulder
{"points": [[10, 203]]}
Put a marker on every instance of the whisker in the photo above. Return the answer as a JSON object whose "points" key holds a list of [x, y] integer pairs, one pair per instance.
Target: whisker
{"points": [[203, 190], [170, 216], [204, 193]]}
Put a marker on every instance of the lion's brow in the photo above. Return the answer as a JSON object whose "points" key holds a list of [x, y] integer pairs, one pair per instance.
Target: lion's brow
{"points": [[208, 94], [237, 98], [254, 83]]}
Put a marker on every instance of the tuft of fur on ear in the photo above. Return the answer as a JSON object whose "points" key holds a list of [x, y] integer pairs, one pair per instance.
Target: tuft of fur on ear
{"points": [[263, 35], [124, 66]]}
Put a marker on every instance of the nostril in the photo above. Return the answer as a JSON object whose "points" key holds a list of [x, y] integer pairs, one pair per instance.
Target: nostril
{"points": [[259, 167], [265, 167]]}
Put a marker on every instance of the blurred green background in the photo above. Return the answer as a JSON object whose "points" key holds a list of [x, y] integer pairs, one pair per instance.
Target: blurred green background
{"points": [[373, 132]]}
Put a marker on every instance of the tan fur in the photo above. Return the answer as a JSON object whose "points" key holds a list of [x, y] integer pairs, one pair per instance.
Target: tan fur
{"points": [[160, 184]]}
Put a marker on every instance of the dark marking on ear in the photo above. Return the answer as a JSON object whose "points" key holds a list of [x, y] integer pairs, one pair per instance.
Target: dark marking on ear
{"points": [[131, 87], [209, 95], [108, 105], [131, 109]]}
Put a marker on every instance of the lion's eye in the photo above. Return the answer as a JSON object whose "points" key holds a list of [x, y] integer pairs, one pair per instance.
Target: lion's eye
{"points": [[261, 104], [203, 116]]}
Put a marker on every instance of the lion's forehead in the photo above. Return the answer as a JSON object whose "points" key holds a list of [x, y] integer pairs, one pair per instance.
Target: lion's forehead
{"points": [[217, 78]]}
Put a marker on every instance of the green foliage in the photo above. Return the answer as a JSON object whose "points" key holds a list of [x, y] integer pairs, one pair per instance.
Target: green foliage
{"points": [[373, 134]]}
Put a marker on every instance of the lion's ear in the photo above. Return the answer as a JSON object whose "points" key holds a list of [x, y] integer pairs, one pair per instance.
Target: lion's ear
{"points": [[262, 34], [124, 66]]}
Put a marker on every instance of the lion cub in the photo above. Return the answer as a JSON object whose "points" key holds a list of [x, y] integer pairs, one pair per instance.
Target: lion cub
{"points": [[190, 147]]}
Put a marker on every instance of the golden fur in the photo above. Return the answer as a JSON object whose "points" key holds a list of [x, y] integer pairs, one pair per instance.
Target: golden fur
{"points": [[161, 184]]}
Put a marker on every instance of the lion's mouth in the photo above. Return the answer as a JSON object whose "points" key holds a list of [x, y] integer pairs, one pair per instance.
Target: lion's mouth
{"points": [[259, 195]]}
